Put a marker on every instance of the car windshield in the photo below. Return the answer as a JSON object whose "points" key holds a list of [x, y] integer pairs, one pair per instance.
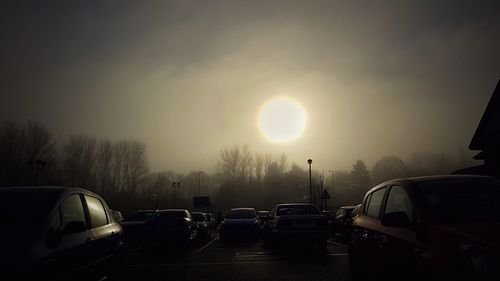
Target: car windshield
{"points": [[21, 208], [199, 217], [141, 216], [173, 214], [241, 214], [458, 202], [297, 210]]}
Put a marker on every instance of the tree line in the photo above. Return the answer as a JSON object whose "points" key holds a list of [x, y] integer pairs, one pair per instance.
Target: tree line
{"points": [[119, 171]]}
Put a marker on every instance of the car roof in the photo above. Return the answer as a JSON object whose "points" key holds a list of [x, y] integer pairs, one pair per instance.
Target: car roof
{"points": [[430, 179], [242, 209], [448, 177], [348, 207], [295, 204], [172, 210]]}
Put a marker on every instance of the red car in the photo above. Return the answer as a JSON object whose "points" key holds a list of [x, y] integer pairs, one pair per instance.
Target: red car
{"points": [[428, 228]]}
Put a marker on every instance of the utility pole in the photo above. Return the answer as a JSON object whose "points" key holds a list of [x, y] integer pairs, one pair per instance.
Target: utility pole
{"points": [[309, 161], [333, 189], [175, 185], [199, 183]]}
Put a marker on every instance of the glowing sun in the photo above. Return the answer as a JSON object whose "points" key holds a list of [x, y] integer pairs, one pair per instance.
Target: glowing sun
{"points": [[281, 119]]}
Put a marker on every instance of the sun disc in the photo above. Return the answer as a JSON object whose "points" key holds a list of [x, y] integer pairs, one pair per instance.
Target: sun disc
{"points": [[281, 120]]}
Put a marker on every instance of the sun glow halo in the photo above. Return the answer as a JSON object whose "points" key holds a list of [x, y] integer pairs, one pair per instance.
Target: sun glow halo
{"points": [[281, 119]]}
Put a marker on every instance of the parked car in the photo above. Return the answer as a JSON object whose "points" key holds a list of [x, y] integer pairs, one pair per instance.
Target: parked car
{"points": [[342, 223], [201, 223], [297, 223], [172, 227], [133, 225], [52, 233], [262, 215], [240, 224], [432, 228], [210, 220]]}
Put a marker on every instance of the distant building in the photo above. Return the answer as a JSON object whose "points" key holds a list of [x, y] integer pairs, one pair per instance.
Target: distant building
{"points": [[487, 140]]}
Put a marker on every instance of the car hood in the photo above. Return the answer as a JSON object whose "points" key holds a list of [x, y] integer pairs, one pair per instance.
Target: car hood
{"points": [[486, 234]]}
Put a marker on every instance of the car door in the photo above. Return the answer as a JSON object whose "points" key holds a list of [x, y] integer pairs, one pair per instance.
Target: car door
{"points": [[399, 245], [68, 246], [104, 236], [267, 226], [364, 250]]}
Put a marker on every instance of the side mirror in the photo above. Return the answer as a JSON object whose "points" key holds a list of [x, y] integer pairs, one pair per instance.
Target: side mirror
{"points": [[73, 227], [396, 219]]}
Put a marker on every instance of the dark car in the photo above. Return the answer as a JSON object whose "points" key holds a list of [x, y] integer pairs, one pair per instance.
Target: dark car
{"points": [[299, 223], [133, 225], [50, 233], [240, 224], [210, 220], [201, 223], [262, 215], [172, 227], [432, 228], [342, 223]]}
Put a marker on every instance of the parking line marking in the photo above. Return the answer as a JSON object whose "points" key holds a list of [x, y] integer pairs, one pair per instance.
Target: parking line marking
{"points": [[206, 245], [338, 254], [338, 244]]}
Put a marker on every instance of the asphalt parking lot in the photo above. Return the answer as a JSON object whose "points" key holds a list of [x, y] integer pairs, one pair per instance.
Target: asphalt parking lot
{"points": [[214, 259]]}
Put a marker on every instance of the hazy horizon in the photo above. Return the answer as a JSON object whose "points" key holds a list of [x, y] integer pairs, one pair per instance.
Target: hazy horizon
{"points": [[188, 78]]}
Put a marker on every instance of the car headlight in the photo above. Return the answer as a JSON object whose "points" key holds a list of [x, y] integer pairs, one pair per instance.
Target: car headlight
{"points": [[480, 260]]}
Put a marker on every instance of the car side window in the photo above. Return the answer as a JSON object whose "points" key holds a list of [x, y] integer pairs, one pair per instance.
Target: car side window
{"points": [[55, 223], [96, 211], [367, 202], [398, 201], [373, 209], [72, 210]]}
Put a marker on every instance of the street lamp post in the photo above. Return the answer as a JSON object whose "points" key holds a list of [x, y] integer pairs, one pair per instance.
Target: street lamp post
{"points": [[175, 185], [199, 183], [333, 189], [309, 161], [157, 196]]}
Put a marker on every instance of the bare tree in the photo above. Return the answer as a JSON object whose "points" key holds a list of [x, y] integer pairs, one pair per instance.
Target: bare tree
{"points": [[246, 164], [78, 161], [39, 143], [259, 167], [12, 159], [230, 160], [104, 161]]}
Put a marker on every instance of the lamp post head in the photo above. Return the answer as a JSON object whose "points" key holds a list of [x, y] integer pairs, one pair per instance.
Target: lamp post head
{"points": [[309, 161]]}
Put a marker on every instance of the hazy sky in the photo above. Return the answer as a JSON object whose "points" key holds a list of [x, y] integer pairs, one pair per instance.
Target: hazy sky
{"points": [[187, 77]]}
